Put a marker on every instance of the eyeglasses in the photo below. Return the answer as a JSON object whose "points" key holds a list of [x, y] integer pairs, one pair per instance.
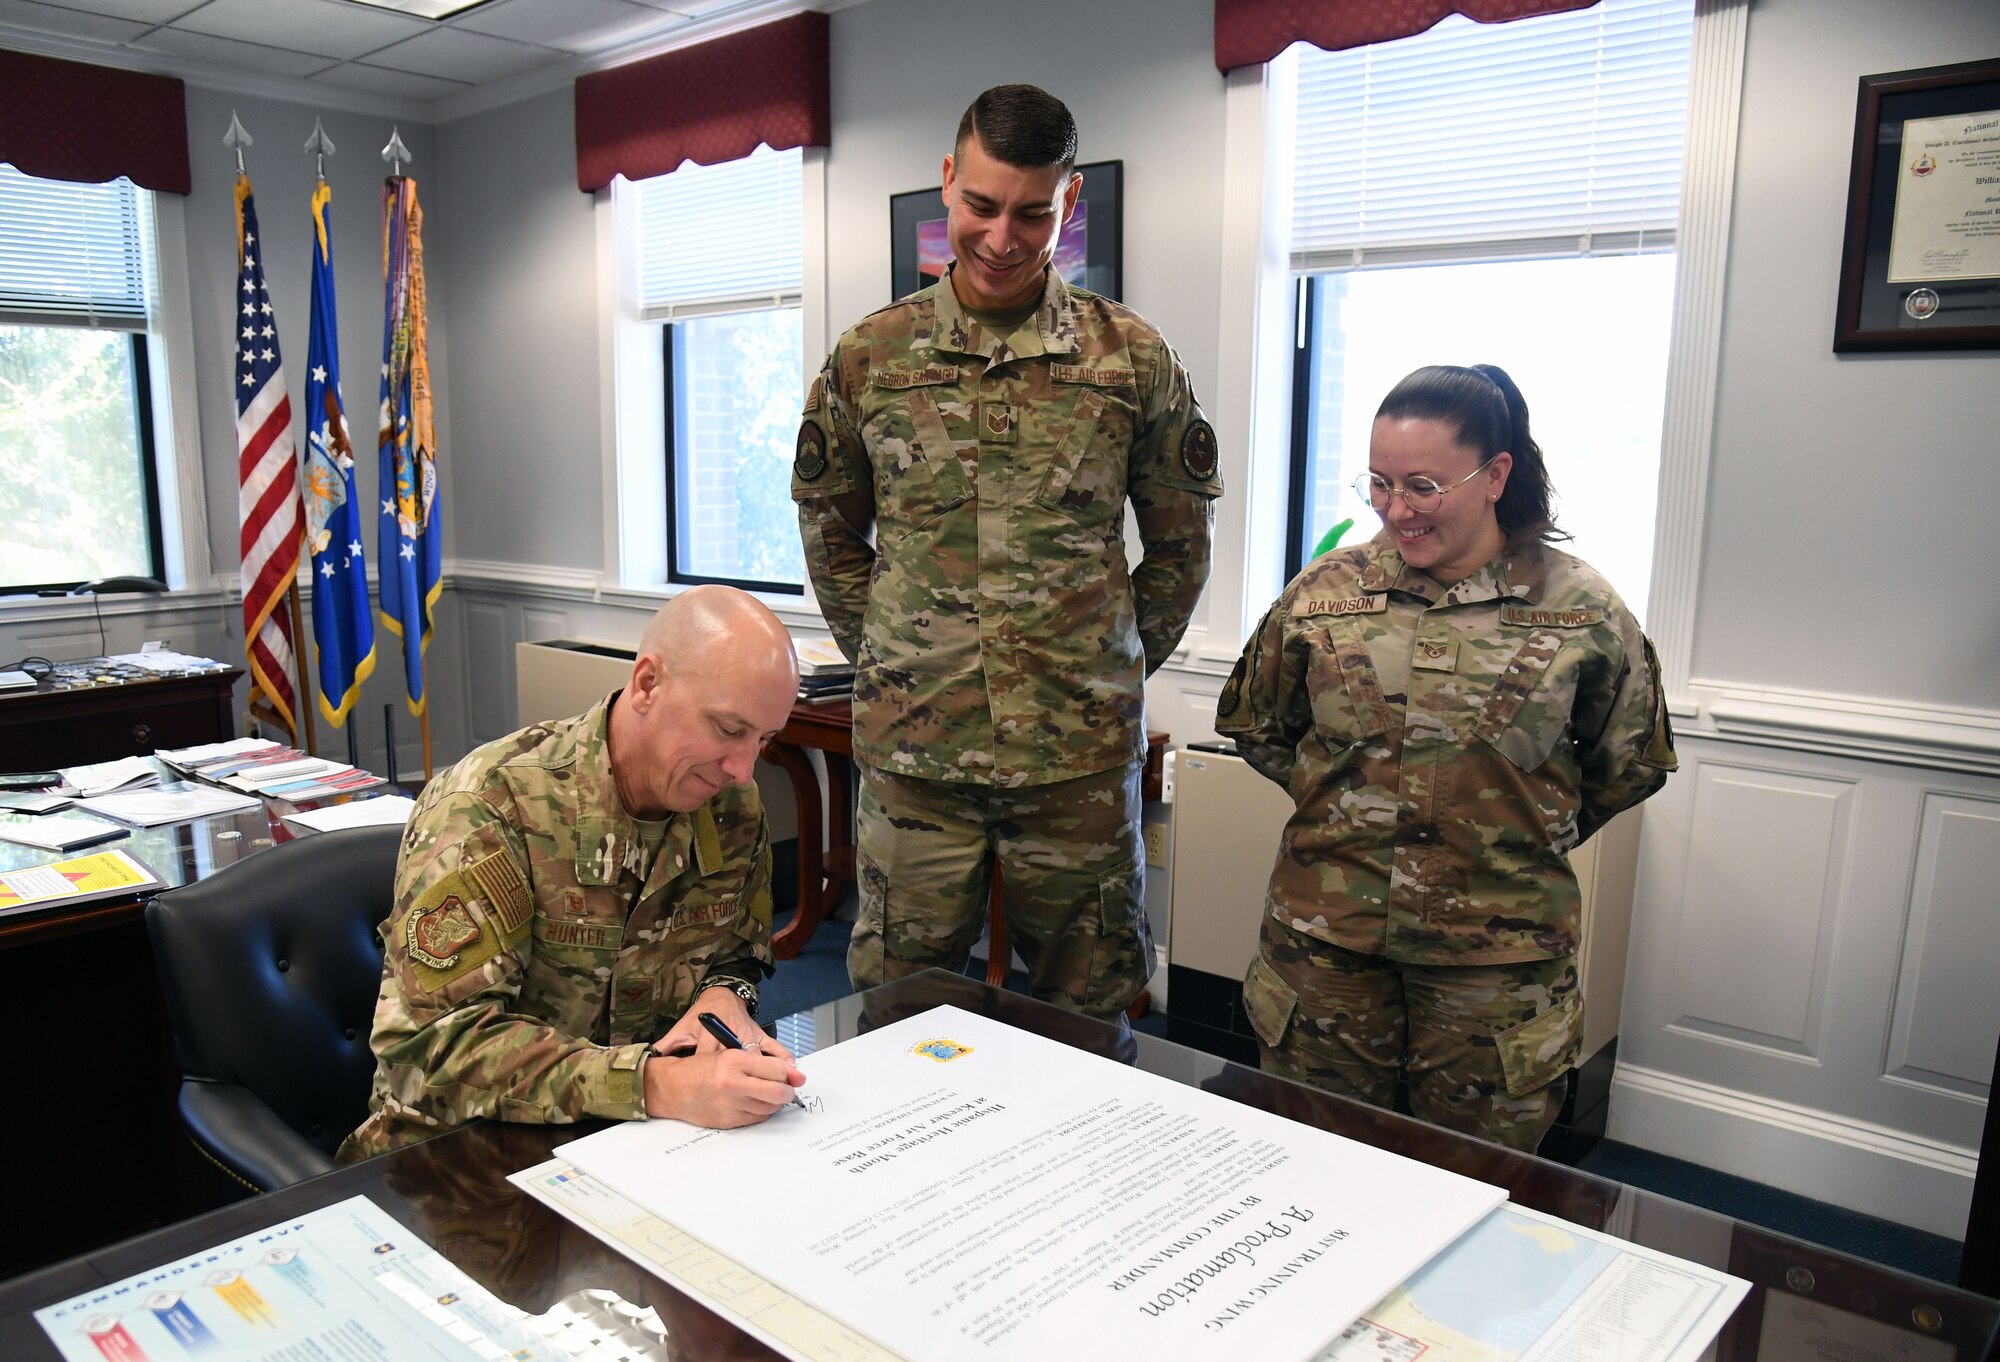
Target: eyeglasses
{"points": [[1419, 493]]}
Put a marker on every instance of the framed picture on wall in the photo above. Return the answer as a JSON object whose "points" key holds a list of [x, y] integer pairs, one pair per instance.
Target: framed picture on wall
{"points": [[1087, 254], [1920, 269]]}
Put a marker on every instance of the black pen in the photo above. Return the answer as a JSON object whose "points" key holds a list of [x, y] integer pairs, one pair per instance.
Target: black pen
{"points": [[716, 1027]]}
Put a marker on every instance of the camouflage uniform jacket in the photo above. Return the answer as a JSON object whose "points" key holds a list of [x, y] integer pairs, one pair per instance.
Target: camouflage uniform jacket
{"points": [[1446, 747], [526, 966], [998, 635]]}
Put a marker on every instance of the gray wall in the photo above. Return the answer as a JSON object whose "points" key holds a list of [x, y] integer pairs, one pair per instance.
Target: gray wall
{"points": [[517, 266], [1850, 541]]}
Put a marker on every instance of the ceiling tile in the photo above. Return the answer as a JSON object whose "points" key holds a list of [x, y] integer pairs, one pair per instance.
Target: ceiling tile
{"points": [[458, 55], [269, 61], [573, 25], [69, 23], [326, 27], [140, 11], [377, 80]]}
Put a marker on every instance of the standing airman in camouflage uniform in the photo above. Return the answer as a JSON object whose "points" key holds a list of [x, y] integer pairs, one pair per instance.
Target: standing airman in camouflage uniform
{"points": [[1454, 706], [991, 430], [571, 896]]}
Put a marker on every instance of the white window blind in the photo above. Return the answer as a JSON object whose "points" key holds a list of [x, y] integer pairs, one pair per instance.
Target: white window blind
{"points": [[74, 254], [1555, 135], [721, 238]]}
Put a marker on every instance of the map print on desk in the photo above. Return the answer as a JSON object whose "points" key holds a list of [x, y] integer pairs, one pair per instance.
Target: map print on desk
{"points": [[1522, 1284], [345, 1281]]}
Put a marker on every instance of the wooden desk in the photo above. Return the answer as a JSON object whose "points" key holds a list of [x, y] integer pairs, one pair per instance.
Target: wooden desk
{"points": [[93, 1135], [64, 723], [453, 1193], [826, 869]]}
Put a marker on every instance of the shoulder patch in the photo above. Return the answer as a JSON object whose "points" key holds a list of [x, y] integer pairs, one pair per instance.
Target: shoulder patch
{"points": [[914, 378], [438, 935], [1580, 618], [445, 935], [1198, 454], [1340, 605], [499, 882], [1232, 694], [813, 392], [809, 459]]}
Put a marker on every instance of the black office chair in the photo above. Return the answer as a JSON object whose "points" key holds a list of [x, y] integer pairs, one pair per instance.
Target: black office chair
{"points": [[270, 968]]}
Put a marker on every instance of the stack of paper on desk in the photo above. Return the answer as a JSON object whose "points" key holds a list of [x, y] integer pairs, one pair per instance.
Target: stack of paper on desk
{"points": [[58, 831], [152, 808], [271, 770], [962, 1189], [127, 773]]}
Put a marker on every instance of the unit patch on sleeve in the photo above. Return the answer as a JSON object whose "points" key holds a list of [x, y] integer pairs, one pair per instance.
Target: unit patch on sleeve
{"points": [[437, 935], [1198, 450], [810, 460]]}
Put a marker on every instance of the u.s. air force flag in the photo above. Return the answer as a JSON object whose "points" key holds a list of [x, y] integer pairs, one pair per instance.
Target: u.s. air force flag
{"points": [[342, 624], [411, 533]]}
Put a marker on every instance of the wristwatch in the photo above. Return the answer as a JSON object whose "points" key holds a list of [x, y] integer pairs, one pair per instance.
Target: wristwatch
{"points": [[742, 988]]}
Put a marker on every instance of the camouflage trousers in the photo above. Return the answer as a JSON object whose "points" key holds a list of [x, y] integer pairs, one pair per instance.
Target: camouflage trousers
{"points": [[1072, 878], [1486, 1049]]}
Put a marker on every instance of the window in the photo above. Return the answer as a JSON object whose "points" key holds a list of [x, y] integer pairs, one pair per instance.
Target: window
{"points": [[1500, 194], [79, 491], [719, 269]]}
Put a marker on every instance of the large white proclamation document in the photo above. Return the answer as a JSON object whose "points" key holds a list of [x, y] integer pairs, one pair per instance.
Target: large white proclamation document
{"points": [[963, 1189]]}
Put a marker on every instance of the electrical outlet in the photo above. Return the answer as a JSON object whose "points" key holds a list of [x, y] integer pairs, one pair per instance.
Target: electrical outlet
{"points": [[1156, 843]]}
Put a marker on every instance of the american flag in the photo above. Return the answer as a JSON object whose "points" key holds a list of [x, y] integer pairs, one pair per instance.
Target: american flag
{"points": [[268, 480]]}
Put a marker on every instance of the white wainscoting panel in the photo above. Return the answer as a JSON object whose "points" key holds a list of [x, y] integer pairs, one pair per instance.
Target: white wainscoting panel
{"points": [[1947, 998], [1761, 905], [489, 655], [1808, 995]]}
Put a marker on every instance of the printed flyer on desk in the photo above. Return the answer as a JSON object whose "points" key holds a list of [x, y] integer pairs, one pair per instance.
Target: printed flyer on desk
{"points": [[347, 1281]]}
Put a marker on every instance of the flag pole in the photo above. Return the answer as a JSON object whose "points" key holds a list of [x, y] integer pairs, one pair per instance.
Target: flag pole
{"points": [[299, 667]]}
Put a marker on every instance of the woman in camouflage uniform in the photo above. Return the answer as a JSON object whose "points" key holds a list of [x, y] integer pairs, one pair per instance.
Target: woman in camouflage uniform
{"points": [[1454, 706]]}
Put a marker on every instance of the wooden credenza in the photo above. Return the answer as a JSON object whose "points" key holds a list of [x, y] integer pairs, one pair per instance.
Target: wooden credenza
{"points": [[50, 726]]}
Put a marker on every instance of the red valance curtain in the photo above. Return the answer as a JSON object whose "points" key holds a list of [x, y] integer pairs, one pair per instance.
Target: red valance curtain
{"points": [[1251, 31], [65, 120], [709, 103]]}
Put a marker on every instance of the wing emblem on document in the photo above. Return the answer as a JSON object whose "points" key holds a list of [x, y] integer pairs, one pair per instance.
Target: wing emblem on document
{"points": [[943, 1051]]}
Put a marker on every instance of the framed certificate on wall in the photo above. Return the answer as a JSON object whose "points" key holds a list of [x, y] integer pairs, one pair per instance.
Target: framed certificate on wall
{"points": [[1920, 268]]}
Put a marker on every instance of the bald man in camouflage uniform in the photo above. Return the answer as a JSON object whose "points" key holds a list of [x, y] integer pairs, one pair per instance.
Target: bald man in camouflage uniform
{"points": [[1446, 746], [992, 430], [569, 897]]}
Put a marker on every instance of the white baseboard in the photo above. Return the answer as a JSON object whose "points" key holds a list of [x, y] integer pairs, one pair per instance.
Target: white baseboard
{"points": [[1862, 1167]]}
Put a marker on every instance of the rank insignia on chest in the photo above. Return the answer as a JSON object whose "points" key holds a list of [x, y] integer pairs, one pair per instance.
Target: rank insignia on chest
{"points": [[810, 459], [1435, 655], [436, 937], [1198, 454], [999, 420]]}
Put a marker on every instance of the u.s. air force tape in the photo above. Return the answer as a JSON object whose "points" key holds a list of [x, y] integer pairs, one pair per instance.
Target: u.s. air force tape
{"points": [[810, 459]]}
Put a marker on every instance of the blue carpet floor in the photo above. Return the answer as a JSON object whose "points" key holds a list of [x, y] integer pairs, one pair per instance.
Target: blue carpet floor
{"points": [[819, 975]]}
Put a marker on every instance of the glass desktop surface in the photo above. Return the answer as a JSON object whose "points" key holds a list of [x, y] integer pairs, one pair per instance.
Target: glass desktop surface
{"points": [[179, 853], [453, 1192]]}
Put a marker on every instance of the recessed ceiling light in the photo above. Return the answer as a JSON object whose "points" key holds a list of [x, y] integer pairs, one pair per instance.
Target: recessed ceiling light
{"points": [[423, 9]]}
